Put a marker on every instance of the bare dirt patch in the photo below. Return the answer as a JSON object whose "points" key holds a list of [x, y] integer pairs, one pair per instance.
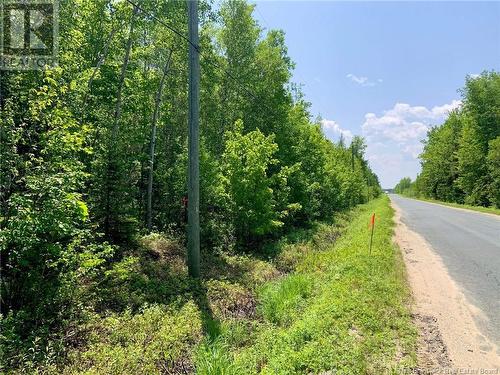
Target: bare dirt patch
{"points": [[431, 352], [449, 337]]}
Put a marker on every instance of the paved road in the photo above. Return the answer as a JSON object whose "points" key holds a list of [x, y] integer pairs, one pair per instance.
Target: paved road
{"points": [[469, 244]]}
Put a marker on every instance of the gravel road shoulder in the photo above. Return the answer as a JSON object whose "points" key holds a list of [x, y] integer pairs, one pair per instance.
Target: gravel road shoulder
{"points": [[449, 337]]}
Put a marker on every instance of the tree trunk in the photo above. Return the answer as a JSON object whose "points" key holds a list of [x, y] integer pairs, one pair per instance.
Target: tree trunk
{"points": [[100, 60], [111, 173], [118, 106], [152, 144], [102, 57]]}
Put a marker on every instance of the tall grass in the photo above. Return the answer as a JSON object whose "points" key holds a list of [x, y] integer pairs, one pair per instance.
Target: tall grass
{"points": [[341, 310]]}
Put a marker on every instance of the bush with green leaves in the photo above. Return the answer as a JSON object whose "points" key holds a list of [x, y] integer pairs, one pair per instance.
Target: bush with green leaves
{"points": [[247, 165], [493, 161], [91, 150], [47, 246], [155, 340], [458, 157]]}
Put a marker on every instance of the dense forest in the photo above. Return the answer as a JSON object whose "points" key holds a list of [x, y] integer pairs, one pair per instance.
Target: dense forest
{"points": [[461, 158], [94, 168]]}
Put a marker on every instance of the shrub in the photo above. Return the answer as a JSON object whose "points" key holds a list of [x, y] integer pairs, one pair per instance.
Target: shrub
{"points": [[156, 340], [247, 161], [230, 300]]}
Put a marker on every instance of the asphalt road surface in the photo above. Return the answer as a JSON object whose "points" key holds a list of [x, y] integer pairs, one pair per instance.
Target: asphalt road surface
{"points": [[468, 242]]}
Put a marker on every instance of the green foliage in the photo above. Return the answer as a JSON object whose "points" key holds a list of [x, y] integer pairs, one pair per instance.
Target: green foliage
{"points": [[213, 359], [440, 161], [404, 186], [75, 167], [493, 163], [458, 157], [247, 160], [281, 300], [46, 244], [471, 164], [154, 273], [341, 310], [155, 340]]}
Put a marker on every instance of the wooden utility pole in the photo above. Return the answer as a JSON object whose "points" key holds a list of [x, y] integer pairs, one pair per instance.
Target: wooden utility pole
{"points": [[193, 256]]}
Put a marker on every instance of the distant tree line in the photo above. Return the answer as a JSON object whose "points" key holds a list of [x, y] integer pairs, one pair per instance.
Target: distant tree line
{"points": [[461, 158], [404, 186], [94, 153]]}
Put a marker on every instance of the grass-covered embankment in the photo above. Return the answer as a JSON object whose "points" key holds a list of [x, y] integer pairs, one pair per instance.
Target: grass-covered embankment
{"points": [[342, 309]]}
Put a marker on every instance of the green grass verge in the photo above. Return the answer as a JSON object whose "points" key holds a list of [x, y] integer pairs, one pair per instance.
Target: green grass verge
{"points": [[315, 302], [488, 210], [342, 310]]}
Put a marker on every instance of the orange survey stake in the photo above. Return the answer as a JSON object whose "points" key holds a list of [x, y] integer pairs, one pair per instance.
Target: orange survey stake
{"points": [[372, 225]]}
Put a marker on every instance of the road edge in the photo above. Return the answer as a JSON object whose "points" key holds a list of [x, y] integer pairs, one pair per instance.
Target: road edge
{"points": [[453, 207], [448, 334]]}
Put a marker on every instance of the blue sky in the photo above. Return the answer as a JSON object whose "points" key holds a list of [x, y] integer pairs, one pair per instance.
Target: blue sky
{"points": [[385, 70]]}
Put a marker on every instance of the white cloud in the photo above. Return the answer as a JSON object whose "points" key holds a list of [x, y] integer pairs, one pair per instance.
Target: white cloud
{"points": [[332, 128], [358, 80], [394, 138], [404, 122], [363, 81], [445, 109]]}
